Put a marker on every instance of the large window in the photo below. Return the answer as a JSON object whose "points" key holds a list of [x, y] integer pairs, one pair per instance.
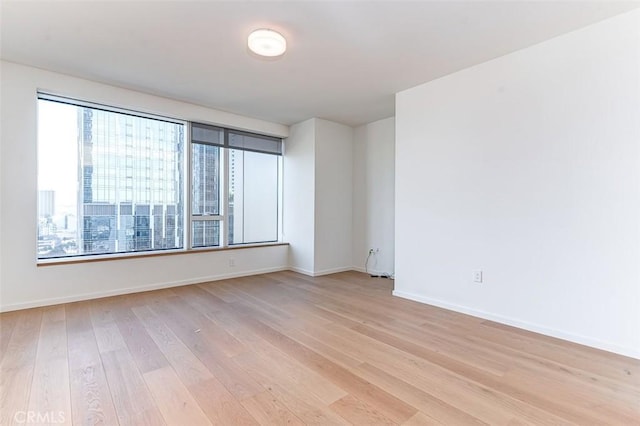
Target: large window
{"points": [[235, 180], [113, 181], [108, 181]]}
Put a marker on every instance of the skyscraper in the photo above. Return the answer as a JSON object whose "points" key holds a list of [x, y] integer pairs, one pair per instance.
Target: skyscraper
{"points": [[205, 190], [131, 182], [46, 203]]}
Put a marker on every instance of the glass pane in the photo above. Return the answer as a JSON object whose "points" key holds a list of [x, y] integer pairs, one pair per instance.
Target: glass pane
{"points": [[108, 182], [253, 197], [205, 233], [205, 163]]}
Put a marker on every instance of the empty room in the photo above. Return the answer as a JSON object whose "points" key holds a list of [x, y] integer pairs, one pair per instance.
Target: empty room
{"points": [[319, 212]]}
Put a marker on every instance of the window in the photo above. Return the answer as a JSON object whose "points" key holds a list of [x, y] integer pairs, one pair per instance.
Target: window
{"points": [[113, 181], [206, 196], [248, 201], [96, 194]]}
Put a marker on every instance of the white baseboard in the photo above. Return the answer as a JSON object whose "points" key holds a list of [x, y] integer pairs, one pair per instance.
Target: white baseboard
{"points": [[301, 271], [157, 286], [320, 273], [571, 337], [130, 290], [370, 271], [332, 271]]}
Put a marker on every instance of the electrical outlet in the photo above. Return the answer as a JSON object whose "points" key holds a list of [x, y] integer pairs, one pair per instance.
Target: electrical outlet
{"points": [[477, 276], [232, 262]]}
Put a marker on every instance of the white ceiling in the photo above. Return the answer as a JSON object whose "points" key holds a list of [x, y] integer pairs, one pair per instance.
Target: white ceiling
{"points": [[346, 59]]}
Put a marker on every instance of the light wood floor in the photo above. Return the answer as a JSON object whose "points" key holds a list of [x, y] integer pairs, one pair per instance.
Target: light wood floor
{"points": [[284, 348]]}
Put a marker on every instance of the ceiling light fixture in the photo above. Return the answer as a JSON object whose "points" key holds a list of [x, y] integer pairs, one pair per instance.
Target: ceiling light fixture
{"points": [[266, 42]]}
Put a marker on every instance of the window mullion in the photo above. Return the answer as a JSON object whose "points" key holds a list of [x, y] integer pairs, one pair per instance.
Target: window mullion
{"points": [[224, 184], [188, 190]]}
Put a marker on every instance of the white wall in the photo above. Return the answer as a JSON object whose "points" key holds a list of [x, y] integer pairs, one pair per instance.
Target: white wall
{"points": [[373, 195], [24, 284], [333, 197], [318, 195], [1, 176], [528, 167], [299, 198]]}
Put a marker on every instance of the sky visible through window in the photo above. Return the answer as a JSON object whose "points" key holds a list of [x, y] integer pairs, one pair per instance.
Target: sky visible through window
{"points": [[58, 154]]}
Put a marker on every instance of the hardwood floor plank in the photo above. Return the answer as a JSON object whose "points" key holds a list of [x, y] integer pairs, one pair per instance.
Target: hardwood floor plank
{"points": [[16, 369], [390, 406], [8, 321], [510, 407], [443, 379], [421, 341], [279, 363], [421, 419], [233, 378], [213, 398], [265, 309], [106, 330], [612, 366], [296, 397], [437, 408], [581, 397], [268, 410], [132, 400], [477, 400], [306, 409], [616, 365], [220, 406], [50, 390], [225, 342], [603, 386], [91, 402], [452, 348], [520, 392], [173, 399], [325, 348], [318, 346], [284, 348], [144, 351], [186, 364], [341, 310], [359, 413]]}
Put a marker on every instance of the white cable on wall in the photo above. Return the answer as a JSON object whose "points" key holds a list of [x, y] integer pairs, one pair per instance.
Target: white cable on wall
{"points": [[366, 267]]}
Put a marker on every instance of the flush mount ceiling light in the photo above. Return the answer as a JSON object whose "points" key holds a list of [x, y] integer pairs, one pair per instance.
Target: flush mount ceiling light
{"points": [[266, 42]]}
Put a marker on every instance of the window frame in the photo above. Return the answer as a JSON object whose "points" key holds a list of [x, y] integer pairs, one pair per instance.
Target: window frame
{"points": [[223, 210], [187, 187], [222, 203]]}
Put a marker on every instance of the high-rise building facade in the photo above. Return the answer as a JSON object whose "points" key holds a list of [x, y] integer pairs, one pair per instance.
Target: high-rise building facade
{"points": [[46, 203], [130, 198], [205, 194]]}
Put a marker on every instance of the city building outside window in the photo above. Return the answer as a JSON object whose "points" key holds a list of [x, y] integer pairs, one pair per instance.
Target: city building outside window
{"points": [[206, 206], [112, 181]]}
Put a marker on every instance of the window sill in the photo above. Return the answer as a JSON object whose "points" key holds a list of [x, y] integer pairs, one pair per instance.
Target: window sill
{"points": [[124, 256]]}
